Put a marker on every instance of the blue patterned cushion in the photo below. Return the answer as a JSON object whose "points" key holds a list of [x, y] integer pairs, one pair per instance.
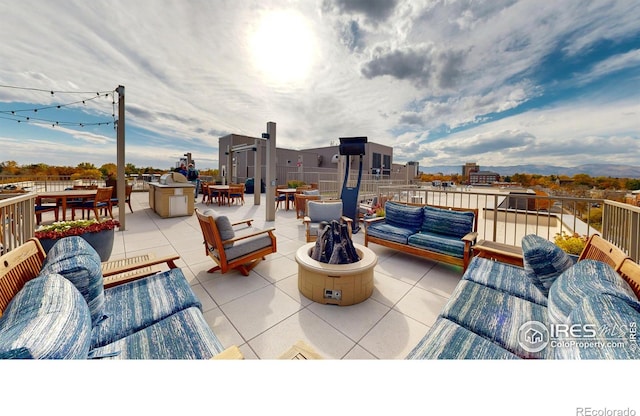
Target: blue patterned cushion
{"points": [[403, 216], [183, 335], [381, 229], [447, 222], [447, 340], [49, 318], [495, 315], [505, 277], [136, 305], [438, 243], [585, 278], [615, 322], [77, 261], [543, 261]]}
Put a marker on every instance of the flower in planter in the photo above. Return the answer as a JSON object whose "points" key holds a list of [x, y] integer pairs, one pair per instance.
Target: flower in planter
{"points": [[63, 229], [571, 244], [376, 211]]}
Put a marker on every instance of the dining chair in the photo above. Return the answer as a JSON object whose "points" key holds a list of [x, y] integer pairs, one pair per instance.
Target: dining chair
{"points": [[41, 208], [127, 197], [236, 193], [101, 201]]}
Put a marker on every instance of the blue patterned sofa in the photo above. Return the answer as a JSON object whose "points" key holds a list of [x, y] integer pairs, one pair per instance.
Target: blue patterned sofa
{"points": [[438, 233], [64, 312], [552, 308]]}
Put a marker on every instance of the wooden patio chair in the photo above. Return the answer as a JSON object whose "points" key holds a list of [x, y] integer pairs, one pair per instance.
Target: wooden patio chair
{"points": [[236, 193], [323, 211], [301, 203], [101, 201], [242, 252], [127, 197]]}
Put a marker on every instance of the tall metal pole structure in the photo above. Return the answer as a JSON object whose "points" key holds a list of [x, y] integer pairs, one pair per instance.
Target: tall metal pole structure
{"points": [[122, 185], [270, 211]]}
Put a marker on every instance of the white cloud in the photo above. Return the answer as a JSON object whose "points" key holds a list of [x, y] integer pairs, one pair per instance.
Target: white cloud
{"points": [[191, 75]]}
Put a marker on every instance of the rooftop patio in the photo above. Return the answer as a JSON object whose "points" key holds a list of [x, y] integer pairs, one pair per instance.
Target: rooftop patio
{"points": [[265, 314]]}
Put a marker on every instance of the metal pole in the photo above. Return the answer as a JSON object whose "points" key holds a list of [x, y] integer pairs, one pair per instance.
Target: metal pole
{"points": [[257, 172], [120, 158], [270, 211]]}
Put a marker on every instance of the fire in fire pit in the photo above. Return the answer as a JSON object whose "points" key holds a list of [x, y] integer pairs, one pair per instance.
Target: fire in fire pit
{"points": [[334, 245]]}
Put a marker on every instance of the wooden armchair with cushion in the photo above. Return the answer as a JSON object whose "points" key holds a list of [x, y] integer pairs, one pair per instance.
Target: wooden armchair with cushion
{"points": [[301, 202], [242, 251], [323, 210]]}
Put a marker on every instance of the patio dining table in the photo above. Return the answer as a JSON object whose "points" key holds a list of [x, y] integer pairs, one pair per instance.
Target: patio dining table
{"points": [[287, 192], [222, 190], [62, 197]]}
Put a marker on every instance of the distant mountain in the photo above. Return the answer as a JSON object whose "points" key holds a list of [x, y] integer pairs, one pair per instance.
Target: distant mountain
{"points": [[593, 170]]}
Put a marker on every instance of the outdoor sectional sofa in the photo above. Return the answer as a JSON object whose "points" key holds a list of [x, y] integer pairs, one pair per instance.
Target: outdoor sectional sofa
{"points": [[56, 307], [438, 233], [552, 308]]}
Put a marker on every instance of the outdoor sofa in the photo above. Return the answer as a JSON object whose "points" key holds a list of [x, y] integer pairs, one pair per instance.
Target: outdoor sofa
{"points": [[552, 308], [438, 233], [56, 307]]}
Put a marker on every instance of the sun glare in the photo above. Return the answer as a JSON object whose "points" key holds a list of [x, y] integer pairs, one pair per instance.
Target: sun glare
{"points": [[282, 46]]}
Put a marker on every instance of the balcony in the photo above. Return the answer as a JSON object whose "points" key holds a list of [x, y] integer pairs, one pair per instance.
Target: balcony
{"points": [[264, 313]]}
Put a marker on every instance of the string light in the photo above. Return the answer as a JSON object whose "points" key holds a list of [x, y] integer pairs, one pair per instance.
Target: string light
{"points": [[14, 116]]}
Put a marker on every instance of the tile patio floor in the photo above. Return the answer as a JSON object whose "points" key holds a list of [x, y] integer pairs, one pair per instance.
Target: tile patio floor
{"points": [[264, 313]]}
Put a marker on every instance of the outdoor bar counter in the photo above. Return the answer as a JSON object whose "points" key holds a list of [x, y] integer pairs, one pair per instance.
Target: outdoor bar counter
{"points": [[173, 196]]}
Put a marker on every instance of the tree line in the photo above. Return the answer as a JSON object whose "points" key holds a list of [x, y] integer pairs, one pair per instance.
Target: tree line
{"points": [[553, 182], [82, 170]]}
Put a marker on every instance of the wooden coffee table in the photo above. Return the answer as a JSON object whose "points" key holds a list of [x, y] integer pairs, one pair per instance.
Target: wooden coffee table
{"points": [[504, 253]]}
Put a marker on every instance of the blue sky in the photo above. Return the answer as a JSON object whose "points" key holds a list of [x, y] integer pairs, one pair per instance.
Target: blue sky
{"points": [[497, 82]]}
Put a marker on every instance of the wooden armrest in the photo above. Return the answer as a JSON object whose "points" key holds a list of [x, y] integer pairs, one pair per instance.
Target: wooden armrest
{"points": [[242, 237], [118, 272], [306, 220], [110, 268], [374, 219], [470, 237], [247, 221], [346, 219], [231, 353]]}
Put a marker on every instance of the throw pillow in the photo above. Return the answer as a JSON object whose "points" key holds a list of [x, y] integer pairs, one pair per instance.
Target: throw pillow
{"points": [[224, 226], [403, 216], [311, 192], [47, 319], [447, 222], [587, 278], [77, 261], [543, 261]]}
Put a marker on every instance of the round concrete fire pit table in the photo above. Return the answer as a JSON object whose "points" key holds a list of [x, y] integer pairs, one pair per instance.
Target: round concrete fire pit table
{"points": [[336, 284]]}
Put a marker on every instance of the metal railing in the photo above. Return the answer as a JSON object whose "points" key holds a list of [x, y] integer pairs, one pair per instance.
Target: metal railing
{"points": [[621, 226], [503, 216]]}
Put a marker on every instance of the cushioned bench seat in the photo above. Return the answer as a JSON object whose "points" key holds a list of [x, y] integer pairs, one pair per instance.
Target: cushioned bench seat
{"points": [[437, 243], [504, 277], [495, 315], [142, 303], [448, 340], [183, 335]]}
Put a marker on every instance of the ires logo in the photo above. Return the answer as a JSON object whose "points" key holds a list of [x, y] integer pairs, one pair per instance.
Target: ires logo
{"points": [[534, 336], [572, 331]]}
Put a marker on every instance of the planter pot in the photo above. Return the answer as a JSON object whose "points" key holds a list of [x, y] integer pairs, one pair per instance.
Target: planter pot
{"points": [[101, 241]]}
